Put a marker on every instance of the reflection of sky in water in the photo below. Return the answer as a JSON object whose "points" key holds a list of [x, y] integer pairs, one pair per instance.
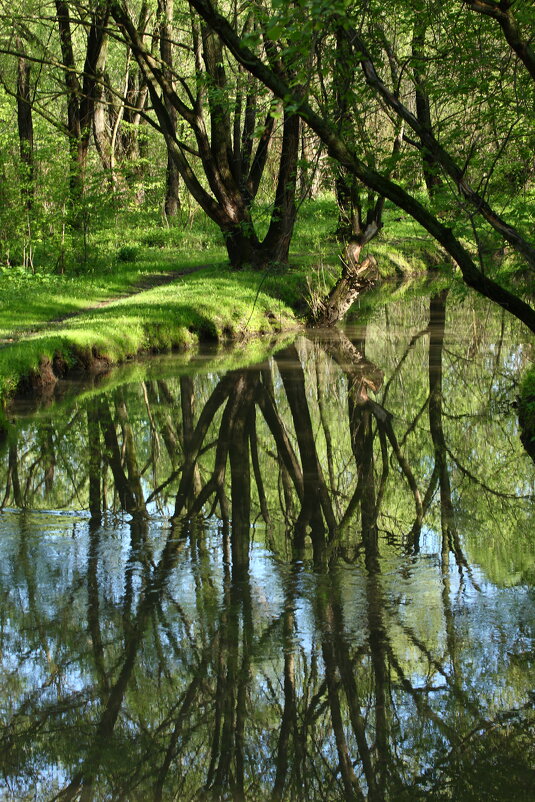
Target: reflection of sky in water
{"points": [[494, 638], [493, 625]]}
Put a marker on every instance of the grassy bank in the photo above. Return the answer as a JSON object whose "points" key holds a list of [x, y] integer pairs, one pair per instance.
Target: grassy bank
{"points": [[214, 303], [112, 300]]}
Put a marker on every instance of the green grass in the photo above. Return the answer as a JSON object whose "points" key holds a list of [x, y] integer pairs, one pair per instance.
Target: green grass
{"points": [[136, 246], [215, 304], [27, 300]]}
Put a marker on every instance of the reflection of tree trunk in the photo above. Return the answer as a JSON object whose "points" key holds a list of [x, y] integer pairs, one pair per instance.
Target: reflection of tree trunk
{"points": [[30, 567], [187, 405], [362, 440], [95, 461], [289, 714], [240, 476], [188, 700], [93, 606], [363, 414], [226, 770], [217, 398], [450, 536], [437, 321], [158, 391], [336, 653], [13, 471], [378, 641], [113, 456], [287, 457], [363, 376], [48, 456], [244, 592], [129, 449], [320, 392], [255, 460], [352, 789], [354, 701], [82, 783], [315, 498]]}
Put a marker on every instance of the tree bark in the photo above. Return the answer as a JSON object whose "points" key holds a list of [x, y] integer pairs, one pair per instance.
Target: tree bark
{"points": [[171, 200], [25, 126], [232, 172]]}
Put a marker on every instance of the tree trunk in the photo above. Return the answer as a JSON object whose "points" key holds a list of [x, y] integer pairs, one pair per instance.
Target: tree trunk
{"points": [[356, 277], [72, 84], [242, 245], [223, 154], [25, 126], [430, 168], [81, 98], [276, 244], [171, 200]]}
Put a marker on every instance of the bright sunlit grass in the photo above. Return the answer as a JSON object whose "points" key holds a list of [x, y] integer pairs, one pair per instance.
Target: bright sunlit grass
{"points": [[215, 303]]}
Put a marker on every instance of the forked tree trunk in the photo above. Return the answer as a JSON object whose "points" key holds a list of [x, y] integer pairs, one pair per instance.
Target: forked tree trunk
{"points": [[242, 246], [223, 149], [356, 276]]}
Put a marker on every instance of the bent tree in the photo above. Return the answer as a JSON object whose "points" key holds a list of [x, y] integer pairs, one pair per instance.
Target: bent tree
{"points": [[230, 124], [469, 257]]}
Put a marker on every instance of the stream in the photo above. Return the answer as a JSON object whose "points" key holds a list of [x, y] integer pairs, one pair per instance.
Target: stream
{"points": [[310, 578]]}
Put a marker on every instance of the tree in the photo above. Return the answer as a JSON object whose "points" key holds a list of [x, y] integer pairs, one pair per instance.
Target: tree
{"points": [[25, 125], [210, 104], [473, 274]]}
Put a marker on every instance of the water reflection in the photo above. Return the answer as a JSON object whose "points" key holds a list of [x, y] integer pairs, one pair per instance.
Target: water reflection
{"points": [[286, 584]]}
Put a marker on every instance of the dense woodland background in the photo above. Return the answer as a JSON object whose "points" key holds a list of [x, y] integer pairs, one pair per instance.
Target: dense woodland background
{"points": [[112, 110]]}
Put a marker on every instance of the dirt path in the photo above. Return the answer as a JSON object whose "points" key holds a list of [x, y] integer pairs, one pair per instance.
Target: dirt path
{"points": [[147, 283]]}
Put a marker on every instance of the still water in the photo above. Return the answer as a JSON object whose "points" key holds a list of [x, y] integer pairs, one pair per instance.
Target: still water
{"points": [[306, 579]]}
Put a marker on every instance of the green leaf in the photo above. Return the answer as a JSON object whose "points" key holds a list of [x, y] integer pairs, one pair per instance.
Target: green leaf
{"points": [[275, 32]]}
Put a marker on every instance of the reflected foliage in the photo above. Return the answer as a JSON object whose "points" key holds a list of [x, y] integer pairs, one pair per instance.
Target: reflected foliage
{"points": [[309, 579]]}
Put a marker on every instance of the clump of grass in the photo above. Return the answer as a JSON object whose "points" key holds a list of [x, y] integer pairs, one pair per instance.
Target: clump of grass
{"points": [[128, 253]]}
